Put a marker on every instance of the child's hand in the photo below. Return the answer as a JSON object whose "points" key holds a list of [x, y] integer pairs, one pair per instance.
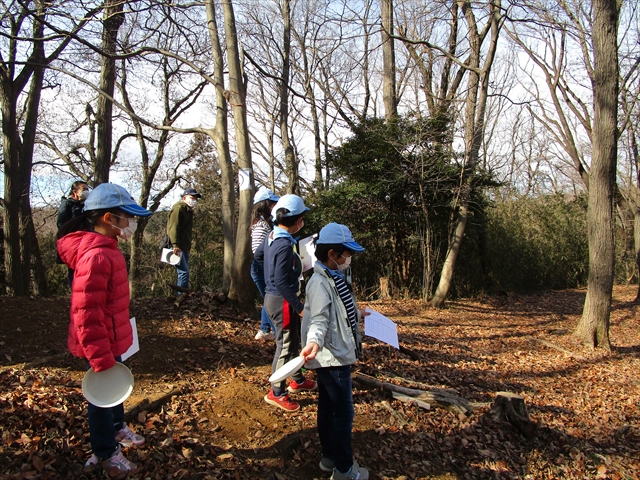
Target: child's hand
{"points": [[309, 351], [364, 312]]}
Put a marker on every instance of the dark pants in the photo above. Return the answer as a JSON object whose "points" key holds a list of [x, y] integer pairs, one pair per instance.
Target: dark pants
{"points": [[257, 274], [103, 425], [287, 324], [335, 415]]}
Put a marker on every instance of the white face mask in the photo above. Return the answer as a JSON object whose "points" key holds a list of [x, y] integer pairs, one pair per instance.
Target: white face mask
{"points": [[127, 232], [83, 195], [345, 265], [191, 202], [301, 225]]}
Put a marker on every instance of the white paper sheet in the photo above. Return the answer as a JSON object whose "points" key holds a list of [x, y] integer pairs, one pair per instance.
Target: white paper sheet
{"points": [[244, 178], [378, 326], [307, 252], [135, 346]]}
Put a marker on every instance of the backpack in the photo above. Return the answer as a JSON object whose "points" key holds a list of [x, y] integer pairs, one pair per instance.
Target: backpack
{"points": [[165, 242]]}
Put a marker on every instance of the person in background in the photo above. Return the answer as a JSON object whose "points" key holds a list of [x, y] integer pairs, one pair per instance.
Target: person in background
{"points": [[282, 269], [100, 330], [261, 226], [180, 231], [333, 342], [71, 207]]}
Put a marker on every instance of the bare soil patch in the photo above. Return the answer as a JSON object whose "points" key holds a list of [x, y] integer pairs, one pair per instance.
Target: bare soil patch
{"points": [[201, 377]]}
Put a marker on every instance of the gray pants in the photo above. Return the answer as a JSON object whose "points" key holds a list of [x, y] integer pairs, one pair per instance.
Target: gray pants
{"points": [[287, 324]]}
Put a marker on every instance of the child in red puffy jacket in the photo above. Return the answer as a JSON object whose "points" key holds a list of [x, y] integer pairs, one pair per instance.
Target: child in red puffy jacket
{"points": [[100, 330]]}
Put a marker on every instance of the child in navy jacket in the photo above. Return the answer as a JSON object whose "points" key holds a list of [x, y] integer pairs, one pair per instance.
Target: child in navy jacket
{"points": [[282, 269]]}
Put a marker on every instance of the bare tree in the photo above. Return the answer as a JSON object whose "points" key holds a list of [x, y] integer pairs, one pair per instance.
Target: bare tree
{"points": [[593, 327], [113, 18], [241, 280], [388, 62], [27, 49]]}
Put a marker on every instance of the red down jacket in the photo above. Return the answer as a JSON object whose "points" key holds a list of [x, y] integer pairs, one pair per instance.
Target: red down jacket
{"points": [[100, 328]]}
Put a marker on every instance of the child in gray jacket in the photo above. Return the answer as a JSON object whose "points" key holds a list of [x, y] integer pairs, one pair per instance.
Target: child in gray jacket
{"points": [[331, 331]]}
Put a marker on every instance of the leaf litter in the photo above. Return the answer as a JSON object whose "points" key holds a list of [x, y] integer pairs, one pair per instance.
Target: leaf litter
{"points": [[201, 377]]}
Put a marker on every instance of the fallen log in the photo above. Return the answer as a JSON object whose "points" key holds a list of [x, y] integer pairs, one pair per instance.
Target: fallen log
{"points": [[440, 398], [509, 407], [411, 400]]}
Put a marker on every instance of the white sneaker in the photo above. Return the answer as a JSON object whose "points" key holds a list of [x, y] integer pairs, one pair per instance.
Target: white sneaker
{"points": [[126, 437], [92, 462], [115, 463], [267, 337], [118, 463]]}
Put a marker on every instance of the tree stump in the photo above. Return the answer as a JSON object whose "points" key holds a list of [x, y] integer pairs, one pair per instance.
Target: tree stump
{"points": [[385, 294], [509, 407]]}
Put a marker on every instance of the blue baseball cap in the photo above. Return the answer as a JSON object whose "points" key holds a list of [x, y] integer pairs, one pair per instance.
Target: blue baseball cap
{"points": [[291, 202], [263, 194], [110, 195], [337, 234]]}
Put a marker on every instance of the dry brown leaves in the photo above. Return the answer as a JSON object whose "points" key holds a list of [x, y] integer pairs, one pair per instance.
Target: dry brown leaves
{"points": [[584, 402]]}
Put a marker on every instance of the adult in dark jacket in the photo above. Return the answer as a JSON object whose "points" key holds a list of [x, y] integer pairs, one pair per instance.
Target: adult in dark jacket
{"points": [[71, 207], [180, 231]]}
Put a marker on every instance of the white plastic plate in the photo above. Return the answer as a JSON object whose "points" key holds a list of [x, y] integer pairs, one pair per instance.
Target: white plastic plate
{"points": [[288, 369], [108, 388]]}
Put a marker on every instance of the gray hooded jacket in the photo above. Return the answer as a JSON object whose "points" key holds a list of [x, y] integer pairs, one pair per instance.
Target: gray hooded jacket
{"points": [[325, 322]]}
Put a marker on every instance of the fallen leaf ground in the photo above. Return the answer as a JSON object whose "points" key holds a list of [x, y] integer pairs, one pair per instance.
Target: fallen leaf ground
{"points": [[200, 378]]}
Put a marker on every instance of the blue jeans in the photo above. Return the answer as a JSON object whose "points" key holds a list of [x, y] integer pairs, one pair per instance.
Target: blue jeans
{"points": [[103, 425], [183, 270], [335, 415], [257, 274]]}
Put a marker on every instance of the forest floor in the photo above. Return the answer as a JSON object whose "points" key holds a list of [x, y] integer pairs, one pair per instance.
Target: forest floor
{"points": [[201, 377]]}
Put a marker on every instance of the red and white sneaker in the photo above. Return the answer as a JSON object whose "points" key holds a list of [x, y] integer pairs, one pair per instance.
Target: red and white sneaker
{"points": [[283, 402], [300, 387]]}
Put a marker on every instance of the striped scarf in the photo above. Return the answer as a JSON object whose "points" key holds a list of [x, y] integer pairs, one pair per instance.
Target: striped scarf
{"points": [[349, 305]]}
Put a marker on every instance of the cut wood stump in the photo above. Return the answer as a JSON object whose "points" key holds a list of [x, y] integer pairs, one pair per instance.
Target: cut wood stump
{"points": [[510, 407]]}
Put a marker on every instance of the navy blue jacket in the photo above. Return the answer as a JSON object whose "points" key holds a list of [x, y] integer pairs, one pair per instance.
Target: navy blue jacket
{"points": [[282, 268]]}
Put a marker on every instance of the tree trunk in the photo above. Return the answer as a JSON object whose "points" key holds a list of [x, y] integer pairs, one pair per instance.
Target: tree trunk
{"points": [[113, 19], [388, 62], [220, 136], [475, 111], [593, 328], [291, 163], [450, 261], [636, 236], [12, 192], [241, 278], [30, 245]]}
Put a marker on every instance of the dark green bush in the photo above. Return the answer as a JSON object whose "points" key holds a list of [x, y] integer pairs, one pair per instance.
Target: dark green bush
{"points": [[539, 243]]}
